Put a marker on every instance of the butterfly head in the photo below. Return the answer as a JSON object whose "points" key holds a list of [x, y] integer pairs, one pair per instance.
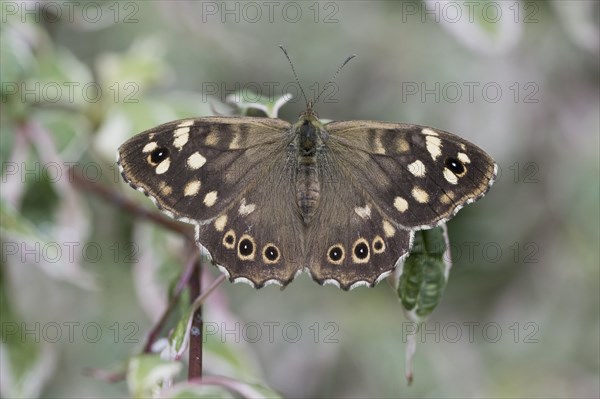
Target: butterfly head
{"points": [[309, 112]]}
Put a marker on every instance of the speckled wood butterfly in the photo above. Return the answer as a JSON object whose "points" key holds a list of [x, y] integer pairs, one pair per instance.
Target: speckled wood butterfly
{"points": [[270, 199]]}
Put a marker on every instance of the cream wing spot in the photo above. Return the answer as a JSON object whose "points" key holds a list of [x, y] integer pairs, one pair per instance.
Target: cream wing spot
{"points": [[447, 197], [220, 222], [211, 139], [196, 161], [420, 195], [464, 158], [210, 199], [388, 229], [181, 137], [434, 146], [150, 147], [450, 177], [402, 145], [364, 212], [235, 142], [187, 123], [377, 145], [164, 188], [400, 204], [244, 209], [417, 168], [191, 188], [429, 132], [163, 166]]}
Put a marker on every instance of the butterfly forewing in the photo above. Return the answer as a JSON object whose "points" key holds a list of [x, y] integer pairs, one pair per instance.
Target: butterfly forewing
{"points": [[418, 176], [195, 168]]}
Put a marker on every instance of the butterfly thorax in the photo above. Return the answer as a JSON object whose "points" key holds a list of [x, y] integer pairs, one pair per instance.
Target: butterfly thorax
{"points": [[309, 140]]}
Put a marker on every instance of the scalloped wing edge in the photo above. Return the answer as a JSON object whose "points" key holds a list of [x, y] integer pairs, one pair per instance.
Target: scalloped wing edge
{"points": [[458, 208], [331, 281]]}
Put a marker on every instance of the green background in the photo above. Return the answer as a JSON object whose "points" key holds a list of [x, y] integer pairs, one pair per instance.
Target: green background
{"points": [[526, 262]]}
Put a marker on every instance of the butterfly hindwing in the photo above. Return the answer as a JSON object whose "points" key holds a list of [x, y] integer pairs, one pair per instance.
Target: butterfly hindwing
{"points": [[351, 243], [260, 237], [418, 176]]}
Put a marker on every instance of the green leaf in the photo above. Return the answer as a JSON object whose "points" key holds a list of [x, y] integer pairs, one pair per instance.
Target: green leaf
{"points": [[220, 387], [424, 274], [14, 225], [234, 361], [186, 390], [246, 101], [147, 374], [422, 281], [17, 43], [25, 365], [24, 234], [179, 339], [142, 67]]}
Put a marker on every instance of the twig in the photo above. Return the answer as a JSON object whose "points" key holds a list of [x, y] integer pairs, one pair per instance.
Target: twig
{"points": [[195, 354], [119, 200], [217, 282], [195, 349]]}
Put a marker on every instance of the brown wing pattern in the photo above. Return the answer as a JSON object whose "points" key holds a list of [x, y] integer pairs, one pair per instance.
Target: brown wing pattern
{"points": [[230, 176], [194, 168], [418, 176]]}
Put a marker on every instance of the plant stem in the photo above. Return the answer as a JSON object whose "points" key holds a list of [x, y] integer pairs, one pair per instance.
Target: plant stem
{"points": [[195, 354], [195, 349], [196, 339], [119, 200], [216, 282]]}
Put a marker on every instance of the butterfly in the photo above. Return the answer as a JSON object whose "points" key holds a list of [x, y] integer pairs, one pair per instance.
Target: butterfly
{"points": [[270, 199]]}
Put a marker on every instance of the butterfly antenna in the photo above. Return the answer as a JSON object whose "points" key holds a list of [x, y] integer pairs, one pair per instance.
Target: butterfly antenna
{"points": [[334, 76], [295, 75]]}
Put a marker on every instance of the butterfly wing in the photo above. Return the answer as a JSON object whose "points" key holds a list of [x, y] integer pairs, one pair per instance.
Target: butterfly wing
{"points": [[194, 168], [380, 182], [259, 239], [351, 242], [229, 176], [418, 176]]}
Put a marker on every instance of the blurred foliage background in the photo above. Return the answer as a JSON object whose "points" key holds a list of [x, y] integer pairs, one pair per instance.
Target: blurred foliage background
{"points": [[520, 316]]}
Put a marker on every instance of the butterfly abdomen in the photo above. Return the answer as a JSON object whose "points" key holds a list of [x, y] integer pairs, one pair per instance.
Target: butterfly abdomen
{"points": [[308, 187], [309, 139]]}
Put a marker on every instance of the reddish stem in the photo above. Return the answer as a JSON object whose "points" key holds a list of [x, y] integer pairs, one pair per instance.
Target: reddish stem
{"points": [[195, 353]]}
